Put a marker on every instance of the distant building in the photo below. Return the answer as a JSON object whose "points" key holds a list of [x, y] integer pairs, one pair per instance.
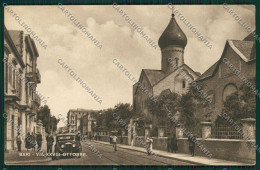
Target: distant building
{"points": [[220, 80], [74, 118], [172, 43], [88, 123]]}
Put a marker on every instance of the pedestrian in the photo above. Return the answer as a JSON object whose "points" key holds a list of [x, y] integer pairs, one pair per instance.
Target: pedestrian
{"points": [[169, 139], [50, 141], [114, 141], [110, 139], [19, 142], [33, 143], [191, 140], [28, 141], [78, 136], [149, 142], [174, 145], [39, 141], [121, 139]]}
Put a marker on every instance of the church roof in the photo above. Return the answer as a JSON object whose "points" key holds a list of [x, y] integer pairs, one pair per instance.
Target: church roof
{"points": [[154, 75], [245, 49], [250, 37], [172, 35], [208, 72]]}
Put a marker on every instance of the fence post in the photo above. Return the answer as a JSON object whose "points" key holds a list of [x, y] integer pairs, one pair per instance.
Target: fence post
{"points": [[179, 132], [206, 129], [249, 127], [161, 131]]}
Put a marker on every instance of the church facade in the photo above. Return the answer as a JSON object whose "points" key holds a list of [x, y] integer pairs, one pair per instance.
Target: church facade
{"points": [[172, 44], [236, 66], [219, 81]]}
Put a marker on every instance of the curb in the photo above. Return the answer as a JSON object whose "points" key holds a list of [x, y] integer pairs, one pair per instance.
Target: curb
{"points": [[25, 162], [178, 159]]}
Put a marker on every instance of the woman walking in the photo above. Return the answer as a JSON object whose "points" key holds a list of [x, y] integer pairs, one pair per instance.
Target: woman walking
{"points": [[149, 142]]}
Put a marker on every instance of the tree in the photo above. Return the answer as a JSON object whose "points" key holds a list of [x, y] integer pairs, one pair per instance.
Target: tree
{"points": [[44, 115], [239, 105], [167, 102], [48, 121], [54, 123]]}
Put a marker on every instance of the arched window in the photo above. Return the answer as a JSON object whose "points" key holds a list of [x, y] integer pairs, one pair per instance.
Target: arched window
{"points": [[183, 84], [228, 90], [178, 84]]}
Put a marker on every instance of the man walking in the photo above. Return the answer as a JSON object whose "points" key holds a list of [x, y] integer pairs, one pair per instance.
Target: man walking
{"points": [[39, 141], [192, 144], [19, 142], [169, 144], [174, 146], [50, 141], [33, 143], [114, 141]]}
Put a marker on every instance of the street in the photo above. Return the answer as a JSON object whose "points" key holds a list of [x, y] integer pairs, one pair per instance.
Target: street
{"points": [[110, 157]]}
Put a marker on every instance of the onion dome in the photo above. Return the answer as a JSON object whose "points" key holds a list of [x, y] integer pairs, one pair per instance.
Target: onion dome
{"points": [[172, 35]]}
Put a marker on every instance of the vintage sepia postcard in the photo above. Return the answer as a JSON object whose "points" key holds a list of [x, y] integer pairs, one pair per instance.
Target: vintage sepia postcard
{"points": [[164, 85]]}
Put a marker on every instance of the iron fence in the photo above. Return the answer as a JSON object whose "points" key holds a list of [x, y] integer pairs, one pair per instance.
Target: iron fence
{"points": [[225, 132]]}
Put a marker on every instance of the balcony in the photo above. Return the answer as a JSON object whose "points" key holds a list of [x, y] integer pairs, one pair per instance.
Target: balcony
{"points": [[38, 76], [13, 96], [37, 100], [30, 112], [29, 76]]}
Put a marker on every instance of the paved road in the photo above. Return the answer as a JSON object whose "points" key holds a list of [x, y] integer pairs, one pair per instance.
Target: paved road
{"points": [[110, 157]]}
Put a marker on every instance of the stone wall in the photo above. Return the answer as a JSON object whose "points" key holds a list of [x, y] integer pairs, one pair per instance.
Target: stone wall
{"points": [[226, 149], [233, 150]]}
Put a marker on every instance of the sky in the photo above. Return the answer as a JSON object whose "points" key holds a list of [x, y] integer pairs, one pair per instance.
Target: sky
{"points": [[95, 67]]}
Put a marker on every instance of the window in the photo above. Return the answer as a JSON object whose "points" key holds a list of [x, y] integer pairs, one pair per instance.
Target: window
{"points": [[183, 84], [228, 90], [27, 94], [176, 61], [19, 86], [14, 78], [10, 75], [168, 63], [6, 77], [178, 84]]}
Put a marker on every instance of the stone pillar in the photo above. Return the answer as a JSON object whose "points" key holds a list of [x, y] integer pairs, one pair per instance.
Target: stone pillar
{"points": [[179, 132], [249, 127], [206, 129], [161, 131]]}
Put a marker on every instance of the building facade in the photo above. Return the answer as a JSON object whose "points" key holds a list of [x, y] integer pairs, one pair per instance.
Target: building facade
{"points": [[87, 124], [21, 77], [74, 118]]}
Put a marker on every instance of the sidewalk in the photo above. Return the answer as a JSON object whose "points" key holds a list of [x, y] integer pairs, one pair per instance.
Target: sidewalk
{"points": [[13, 157], [197, 160]]}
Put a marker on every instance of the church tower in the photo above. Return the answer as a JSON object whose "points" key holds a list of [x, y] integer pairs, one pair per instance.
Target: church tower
{"points": [[172, 43]]}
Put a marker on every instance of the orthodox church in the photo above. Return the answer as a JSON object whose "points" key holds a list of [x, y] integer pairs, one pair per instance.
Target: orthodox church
{"points": [[172, 44]]}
